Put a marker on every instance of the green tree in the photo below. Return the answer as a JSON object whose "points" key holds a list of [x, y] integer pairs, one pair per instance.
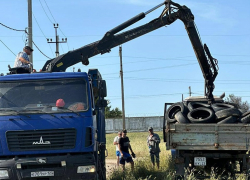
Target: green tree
{"points": [[238, 101], [112, 113]]}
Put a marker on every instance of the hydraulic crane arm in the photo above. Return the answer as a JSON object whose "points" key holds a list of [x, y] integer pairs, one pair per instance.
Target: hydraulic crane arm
{"points": [[171, 13], [208, 65], [109, 41]]}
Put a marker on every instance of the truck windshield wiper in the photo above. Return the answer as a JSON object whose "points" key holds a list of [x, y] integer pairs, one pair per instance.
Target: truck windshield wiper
{"points": [[29, 110], [7, 110], [10, 111], [24, 111]]}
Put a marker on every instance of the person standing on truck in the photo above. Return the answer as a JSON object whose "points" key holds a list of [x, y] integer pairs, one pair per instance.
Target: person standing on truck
{"points": [[124, 145], [116, 142], [22, 58], [153, 142]]}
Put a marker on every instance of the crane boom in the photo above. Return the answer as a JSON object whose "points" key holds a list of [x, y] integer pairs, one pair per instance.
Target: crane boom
{"points": [[111, 39]]}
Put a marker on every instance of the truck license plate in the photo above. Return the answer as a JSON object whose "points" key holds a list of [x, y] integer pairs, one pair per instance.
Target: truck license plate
{"points": [[200, 161], [42, 173]]}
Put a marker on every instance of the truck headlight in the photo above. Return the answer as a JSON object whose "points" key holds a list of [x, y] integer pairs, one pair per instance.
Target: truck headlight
{"points": [[85, 169], [4, 174]]}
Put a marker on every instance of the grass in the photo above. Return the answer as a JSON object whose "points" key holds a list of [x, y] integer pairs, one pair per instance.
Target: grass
{"points": [[143, 169], [138, 141]]}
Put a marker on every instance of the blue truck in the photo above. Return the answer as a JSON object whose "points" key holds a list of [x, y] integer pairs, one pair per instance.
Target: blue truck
{"points": [[53, 121], [52, 125]]}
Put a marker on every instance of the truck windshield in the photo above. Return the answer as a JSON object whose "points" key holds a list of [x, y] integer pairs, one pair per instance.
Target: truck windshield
{"points": [[48, 96]]}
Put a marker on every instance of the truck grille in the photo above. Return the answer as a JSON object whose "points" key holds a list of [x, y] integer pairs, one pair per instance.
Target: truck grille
{"points": [[41, 139]]}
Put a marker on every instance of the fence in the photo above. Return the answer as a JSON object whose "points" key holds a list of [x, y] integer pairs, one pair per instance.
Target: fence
{"points": [[135, 124]]}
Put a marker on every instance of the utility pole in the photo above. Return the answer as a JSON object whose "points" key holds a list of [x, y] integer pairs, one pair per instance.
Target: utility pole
{"points": [[190, 93], [30, 28], [121, 74], [57, 40]]}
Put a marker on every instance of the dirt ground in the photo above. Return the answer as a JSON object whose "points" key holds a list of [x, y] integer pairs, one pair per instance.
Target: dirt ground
{"points": [[110, 166]]}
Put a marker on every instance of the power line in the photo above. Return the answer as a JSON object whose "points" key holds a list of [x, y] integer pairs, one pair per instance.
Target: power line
{"points": [[7, 47], [164, 59], [88, 35], [11, 28], [41, 30], [138, 70], [26, 33], [161, 35], [62, 48], [147, 96], [55, 21], [231, 55], [162, 79], [154, 95], [45, 12], [180, 80], [159, 59], [40, 51], [57, 42], [49, 11]]}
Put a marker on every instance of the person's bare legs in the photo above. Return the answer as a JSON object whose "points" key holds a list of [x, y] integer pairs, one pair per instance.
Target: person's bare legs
{"points": [[117, 162], [123, 167], [132, 165]]}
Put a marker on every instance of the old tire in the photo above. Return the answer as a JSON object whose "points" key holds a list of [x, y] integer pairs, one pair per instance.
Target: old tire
{"points": [[194, 105], [220, 106], [246, 119], [242, 111], [228, 120], [173, 109], [201, 115], [246, 113], [227, 112], [181, 118], [233, 104]]}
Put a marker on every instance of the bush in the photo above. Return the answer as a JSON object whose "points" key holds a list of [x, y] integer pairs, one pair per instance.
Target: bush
{"points": [[144, 171]]}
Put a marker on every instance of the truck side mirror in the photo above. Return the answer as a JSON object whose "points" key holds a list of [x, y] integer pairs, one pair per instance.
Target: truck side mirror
{"points": [[102, 103], [103, 88]]}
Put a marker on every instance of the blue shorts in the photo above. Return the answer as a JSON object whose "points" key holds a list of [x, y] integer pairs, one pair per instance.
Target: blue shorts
{"points": [[117, 153], [126, 158]]}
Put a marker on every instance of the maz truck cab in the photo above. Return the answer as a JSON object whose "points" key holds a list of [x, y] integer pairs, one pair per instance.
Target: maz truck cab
{"points": [[51, 125]]}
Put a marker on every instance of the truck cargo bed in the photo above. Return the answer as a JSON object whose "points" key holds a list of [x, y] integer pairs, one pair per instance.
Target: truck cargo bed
{"points": [[207, 136]]}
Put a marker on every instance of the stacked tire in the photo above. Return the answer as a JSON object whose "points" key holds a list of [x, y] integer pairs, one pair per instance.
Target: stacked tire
{"points": [[198, 112]]}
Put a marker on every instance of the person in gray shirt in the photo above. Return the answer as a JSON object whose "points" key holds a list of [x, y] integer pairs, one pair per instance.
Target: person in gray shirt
{"points": [[153, 142], [22, 58]]}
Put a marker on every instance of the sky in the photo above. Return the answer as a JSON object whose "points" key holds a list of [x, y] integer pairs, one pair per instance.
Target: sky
{"points": [[158, 67]]}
